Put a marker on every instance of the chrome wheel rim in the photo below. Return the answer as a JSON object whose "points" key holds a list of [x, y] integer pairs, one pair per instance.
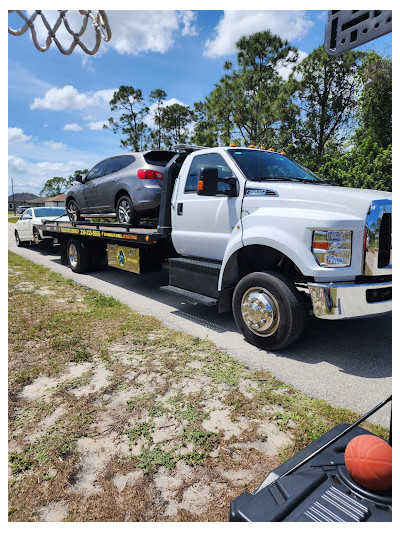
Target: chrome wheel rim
{"points": [[72, 210], [124, 212], [260, 311], [73, 255]]}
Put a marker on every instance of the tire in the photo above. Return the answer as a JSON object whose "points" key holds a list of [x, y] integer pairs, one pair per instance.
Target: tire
{"points": [[273, 314], [78, 257], [18, 241], [73, 211], [36, 236], [126, 212]]}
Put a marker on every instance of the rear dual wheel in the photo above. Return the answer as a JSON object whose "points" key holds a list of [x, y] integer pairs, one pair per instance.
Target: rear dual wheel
{"points": [[78, 257], [268, 310]]}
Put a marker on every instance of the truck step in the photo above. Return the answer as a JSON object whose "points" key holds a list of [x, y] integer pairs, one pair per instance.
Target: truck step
{"points": [[201, 298]]}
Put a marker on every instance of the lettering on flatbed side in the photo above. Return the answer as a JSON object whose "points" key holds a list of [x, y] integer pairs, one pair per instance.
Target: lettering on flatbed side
{"points": [[75, 231]]}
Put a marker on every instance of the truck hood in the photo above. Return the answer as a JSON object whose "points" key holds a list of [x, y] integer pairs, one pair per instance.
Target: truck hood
{"points": [[343, 200]]}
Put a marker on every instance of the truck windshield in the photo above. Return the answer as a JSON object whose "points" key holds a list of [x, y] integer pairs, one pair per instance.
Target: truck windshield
{"points": [[259, 165]]}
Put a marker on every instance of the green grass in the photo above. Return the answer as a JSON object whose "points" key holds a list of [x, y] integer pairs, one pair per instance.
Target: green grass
{"points": [[148, 366]]}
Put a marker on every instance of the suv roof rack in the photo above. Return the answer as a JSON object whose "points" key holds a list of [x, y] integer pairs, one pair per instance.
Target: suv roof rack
{"points": [[187, 147]]}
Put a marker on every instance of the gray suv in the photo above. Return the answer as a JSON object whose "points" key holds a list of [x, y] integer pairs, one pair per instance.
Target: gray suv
{"points": [[126, 186]]}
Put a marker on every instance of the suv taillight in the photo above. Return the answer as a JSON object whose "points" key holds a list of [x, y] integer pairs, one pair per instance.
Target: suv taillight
{"points": [[148, 174]]}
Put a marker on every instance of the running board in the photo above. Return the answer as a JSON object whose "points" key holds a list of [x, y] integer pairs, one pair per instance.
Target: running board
{"points": [[201, 298]]}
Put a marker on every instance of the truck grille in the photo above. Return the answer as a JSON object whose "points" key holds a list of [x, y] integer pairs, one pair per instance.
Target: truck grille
{"points": [[385, 240]]}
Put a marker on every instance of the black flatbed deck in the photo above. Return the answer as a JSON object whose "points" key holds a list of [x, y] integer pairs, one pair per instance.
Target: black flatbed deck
{"points": [[111, 231]]}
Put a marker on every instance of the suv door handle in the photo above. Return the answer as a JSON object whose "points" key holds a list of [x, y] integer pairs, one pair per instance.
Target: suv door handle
{"points": [[115, 179], [179, 210]]}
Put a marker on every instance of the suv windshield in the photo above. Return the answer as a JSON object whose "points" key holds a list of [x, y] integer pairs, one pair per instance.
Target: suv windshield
{"points": [[259, 165]]}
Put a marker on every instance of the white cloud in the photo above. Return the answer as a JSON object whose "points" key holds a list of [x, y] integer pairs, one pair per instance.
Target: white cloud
{"points": [[187, 18], [235, 24], [135, 32], [286, 70], [17, 135], [54, 145], [97, 125], [68, 98], [72, 127]]}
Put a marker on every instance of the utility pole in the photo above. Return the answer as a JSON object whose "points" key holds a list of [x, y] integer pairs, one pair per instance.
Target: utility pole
{"points": [[12, 187]]}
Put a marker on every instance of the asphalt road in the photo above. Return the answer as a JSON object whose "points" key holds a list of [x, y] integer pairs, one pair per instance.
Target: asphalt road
{"points": [[348, 363]]}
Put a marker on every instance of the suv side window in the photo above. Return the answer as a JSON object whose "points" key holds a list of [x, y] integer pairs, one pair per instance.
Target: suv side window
{"points": [[127, 160], [207, 160], [96, 171], [114, 164]]}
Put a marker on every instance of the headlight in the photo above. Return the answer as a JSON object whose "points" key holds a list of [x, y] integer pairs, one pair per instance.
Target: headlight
{"points": [[332, 248]]}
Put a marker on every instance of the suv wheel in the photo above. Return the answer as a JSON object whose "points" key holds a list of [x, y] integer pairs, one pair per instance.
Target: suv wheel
{"points": [[73, 211], [126, 213]]}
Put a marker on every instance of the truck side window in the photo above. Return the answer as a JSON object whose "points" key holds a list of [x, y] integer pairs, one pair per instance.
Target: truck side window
{"points": [[207, 160]]}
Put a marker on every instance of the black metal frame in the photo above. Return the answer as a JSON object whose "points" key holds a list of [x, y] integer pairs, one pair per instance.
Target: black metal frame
{"points": [[346, 30]]}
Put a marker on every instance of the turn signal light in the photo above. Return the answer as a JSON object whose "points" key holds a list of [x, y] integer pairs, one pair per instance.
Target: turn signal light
{"points": [[251, 146], [200, 185], [271, 150], [148, 174], [262, 147], [283, 153], [232, 144]]}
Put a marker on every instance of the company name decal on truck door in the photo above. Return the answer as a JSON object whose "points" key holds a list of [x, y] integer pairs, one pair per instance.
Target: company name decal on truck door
{"points": [[259, 192]]}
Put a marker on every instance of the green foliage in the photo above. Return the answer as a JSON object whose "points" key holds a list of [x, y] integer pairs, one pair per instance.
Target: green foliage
{"points": [[366, 166], [249, 101], [131, 108], [325, 90], [53, 187], [174, 119], [157, 98], [375, 104]]}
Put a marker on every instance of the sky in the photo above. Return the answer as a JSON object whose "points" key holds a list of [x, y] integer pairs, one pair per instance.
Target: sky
{"points": [[57, 104]]}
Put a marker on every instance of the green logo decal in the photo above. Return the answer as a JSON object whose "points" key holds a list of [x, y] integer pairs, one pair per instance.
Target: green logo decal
{"points": [[121, 258]]}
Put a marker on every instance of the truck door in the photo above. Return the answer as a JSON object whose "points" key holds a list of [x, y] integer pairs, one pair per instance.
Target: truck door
{"points": [[202, 225]]}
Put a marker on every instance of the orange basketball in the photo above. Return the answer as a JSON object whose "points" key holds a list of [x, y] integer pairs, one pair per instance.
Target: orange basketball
{"points": [[369, 462]]}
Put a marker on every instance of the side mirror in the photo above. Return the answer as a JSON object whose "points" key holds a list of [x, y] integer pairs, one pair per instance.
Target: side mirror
{"points": [[207, 184], [79, 178]]}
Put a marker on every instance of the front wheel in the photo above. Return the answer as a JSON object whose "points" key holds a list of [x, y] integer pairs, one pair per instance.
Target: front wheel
{"points": [[268, 310], [18, 241], [73, 211], [126, 212]]}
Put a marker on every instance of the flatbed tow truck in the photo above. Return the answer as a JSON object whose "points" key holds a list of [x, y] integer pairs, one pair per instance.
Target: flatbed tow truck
{"points": [[272, 250]]}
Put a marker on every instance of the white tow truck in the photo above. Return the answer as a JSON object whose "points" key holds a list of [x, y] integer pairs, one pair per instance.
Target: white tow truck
{"points": [[252, 231]]}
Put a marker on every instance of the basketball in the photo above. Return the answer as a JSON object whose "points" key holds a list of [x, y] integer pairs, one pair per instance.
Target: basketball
{"points": [[369, 461]]}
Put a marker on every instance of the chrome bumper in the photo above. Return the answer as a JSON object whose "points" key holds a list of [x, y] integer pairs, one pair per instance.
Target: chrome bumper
{"points": [[335, 301]]}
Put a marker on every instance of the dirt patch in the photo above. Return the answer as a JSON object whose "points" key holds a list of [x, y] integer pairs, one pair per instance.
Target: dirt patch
{"points": [[54, 512]]}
